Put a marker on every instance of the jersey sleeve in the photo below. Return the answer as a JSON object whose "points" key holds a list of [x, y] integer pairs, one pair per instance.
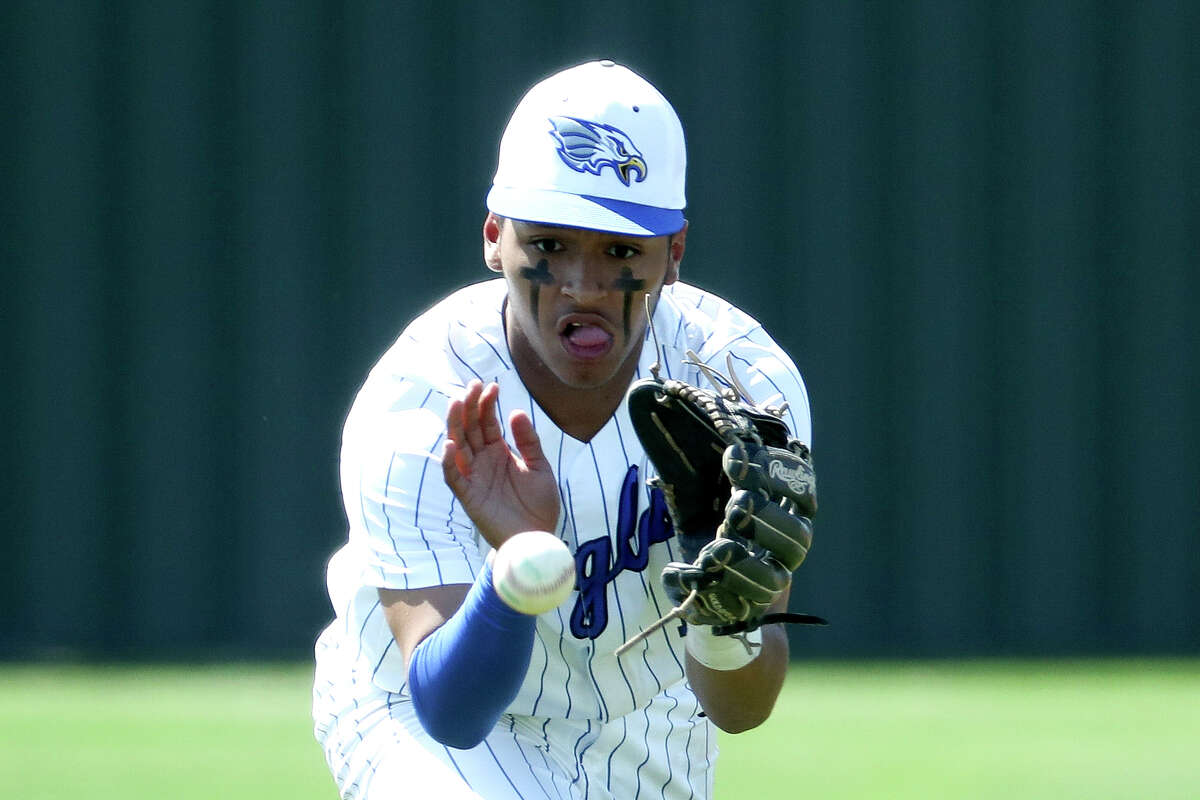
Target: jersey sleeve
{"points": [[411, 530]]}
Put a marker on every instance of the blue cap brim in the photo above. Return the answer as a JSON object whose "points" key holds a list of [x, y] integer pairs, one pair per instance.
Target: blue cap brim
{"points": [[549, 207]]}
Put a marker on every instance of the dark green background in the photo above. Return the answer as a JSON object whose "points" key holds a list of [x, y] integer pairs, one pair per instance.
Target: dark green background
{"points": [[974, 225]]}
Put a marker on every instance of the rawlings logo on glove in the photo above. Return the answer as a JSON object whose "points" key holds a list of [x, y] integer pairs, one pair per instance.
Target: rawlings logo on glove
{"points": [[797, 480]]}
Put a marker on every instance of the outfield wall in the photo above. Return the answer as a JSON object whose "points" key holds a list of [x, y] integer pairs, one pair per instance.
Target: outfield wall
{"points": [[975, 229]]}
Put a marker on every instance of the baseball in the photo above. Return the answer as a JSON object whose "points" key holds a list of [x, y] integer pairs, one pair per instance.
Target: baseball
{"points": [[533, 572]]}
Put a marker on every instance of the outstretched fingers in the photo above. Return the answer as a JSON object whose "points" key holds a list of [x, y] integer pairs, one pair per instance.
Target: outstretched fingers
{"points": [[458, 453], [476, 415], [456, 465], [471, 426], [529, 444], [489, 422], [473, 436]]}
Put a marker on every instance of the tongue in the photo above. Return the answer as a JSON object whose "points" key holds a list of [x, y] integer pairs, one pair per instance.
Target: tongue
{"points": [[588, 336]]}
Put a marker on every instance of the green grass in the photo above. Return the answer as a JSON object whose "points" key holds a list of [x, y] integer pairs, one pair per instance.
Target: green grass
{"points": [[213, 732], [986, 729], [1037, 729]]}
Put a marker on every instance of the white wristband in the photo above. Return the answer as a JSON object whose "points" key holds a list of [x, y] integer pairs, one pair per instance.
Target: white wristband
{"points": [[722, 652]]}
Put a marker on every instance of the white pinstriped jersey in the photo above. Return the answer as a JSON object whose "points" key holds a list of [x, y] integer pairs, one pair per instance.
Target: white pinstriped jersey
{"points": [[407, 531]]}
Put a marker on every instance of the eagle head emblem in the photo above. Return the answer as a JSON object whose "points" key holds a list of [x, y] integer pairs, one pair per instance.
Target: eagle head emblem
{"points": [[591, 146]]}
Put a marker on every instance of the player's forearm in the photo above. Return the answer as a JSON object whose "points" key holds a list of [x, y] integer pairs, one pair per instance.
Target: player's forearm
{"points": [[737, 700], [463, 675]]}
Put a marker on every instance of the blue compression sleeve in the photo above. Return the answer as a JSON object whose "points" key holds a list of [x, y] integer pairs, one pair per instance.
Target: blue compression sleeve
{"points": [[463, 675]]}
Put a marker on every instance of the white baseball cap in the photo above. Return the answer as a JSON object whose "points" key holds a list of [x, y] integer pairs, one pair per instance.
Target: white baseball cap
{"points": [[594, 146]]}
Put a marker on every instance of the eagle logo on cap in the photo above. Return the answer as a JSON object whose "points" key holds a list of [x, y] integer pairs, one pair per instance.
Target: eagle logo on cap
{"points": [[591, 146]]}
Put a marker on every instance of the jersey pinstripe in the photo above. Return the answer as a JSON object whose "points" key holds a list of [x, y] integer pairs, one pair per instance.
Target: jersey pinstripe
{"points": [[407, 531]]}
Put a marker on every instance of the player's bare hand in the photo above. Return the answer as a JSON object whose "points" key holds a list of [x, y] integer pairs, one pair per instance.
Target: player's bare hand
{"points": [[503, 491]]}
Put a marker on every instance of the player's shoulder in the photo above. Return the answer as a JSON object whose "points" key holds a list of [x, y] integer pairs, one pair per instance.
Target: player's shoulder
{"points": [[722, 334], [458, 338], [708, 320], [473, 312]]}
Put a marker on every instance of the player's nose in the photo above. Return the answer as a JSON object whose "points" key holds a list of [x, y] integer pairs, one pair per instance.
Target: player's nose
{"points": [[584, 282]]}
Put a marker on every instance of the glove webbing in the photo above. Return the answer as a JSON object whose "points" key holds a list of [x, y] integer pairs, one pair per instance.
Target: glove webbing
{"points": [[725, 423]]}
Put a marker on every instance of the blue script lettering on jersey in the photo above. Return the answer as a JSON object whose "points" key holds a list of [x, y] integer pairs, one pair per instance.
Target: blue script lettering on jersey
{"points": [[596, 566]]}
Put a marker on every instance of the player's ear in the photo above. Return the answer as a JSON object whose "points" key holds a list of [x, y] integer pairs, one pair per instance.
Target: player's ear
{"points": [[491, 242], [676, 244]]}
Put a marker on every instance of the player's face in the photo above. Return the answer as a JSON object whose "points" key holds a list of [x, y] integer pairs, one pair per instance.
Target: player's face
{"points": [[576, 298]]}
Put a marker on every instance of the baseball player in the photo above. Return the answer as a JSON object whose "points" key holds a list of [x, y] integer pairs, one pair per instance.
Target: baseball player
{"points": [[503, 409]]}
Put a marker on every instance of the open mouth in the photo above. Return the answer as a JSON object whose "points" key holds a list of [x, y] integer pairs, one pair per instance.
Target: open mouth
{"points": [[585, 340]]}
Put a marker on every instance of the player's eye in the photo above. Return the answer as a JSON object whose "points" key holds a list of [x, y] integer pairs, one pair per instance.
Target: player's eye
{"points": [[624, 251], [547, 245]]}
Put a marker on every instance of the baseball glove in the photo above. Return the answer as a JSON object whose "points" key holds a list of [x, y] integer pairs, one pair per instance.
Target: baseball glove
{"points": [[741, 494]]}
